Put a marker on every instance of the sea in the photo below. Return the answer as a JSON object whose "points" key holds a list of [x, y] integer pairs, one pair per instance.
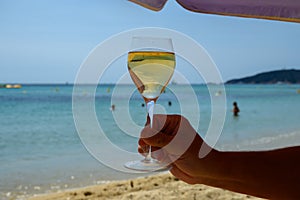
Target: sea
{"points": [[48, 139]]}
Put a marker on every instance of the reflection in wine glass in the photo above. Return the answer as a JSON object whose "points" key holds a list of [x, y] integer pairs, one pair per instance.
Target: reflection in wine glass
{"points": [[151, 64]]}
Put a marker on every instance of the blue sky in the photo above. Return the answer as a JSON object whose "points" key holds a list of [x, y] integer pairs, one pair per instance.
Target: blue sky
{"points": [[45, 41]]}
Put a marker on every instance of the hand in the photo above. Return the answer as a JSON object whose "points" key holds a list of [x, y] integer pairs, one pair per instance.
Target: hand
{"points": [[174, 141], [272, 174]]}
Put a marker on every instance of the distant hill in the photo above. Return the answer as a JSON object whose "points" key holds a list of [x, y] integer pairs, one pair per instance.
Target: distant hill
{"points": [[289, 76]]}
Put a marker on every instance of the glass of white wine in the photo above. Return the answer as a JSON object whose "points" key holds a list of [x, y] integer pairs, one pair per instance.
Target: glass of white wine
{"points": [[151, 64]]}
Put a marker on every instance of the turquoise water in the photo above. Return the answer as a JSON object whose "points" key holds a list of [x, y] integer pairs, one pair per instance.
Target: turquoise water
{"points": [[40, 150]]}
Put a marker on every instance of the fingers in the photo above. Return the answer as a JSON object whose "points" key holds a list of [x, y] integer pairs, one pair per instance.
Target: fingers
{"points": [[167, 124], [143, 150], [171, 138], [156, 153], [152, 137], [173, 132], [163, 127]]}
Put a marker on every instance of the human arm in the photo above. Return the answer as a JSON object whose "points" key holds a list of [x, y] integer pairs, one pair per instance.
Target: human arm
{"points": [[272, 174]]}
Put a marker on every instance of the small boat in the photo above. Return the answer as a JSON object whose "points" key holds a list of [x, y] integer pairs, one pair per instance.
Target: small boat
{"points": [[17, 86], [10, 86]]}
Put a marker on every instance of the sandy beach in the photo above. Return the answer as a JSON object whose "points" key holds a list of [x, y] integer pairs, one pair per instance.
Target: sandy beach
{"points": [[162, 186]]}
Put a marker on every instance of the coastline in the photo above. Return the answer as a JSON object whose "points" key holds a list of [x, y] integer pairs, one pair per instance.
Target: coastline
{"points": [[161, 186]]}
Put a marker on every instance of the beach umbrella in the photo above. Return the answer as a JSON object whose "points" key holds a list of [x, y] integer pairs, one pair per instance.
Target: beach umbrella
{"points": [[282, 10]]}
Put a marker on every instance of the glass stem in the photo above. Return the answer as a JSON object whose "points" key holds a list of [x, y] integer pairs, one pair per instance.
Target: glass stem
{"points": [[148, 157], [150, 110]]}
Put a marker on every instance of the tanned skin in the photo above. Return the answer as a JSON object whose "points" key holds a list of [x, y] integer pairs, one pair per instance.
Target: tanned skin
{"points": [[271, 174]]}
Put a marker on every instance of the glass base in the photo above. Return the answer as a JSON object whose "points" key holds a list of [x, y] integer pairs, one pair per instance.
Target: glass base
{"points": [[146, 165]]}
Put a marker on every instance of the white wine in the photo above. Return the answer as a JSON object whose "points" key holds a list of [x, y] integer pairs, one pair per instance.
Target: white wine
{"points": [[151, 71]]}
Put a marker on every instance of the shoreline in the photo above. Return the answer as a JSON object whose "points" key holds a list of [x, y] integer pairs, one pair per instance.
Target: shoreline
{"points": [[160, 186]]}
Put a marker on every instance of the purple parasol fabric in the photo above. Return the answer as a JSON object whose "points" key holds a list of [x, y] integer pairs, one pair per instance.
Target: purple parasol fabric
{"points": [[283, 10], [151, 4]]}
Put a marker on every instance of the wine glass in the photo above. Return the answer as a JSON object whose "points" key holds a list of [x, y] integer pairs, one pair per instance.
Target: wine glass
{"points": [[151, 64]]}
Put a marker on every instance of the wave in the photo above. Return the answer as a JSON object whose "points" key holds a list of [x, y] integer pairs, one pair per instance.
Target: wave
{"points": [[263, 143]]}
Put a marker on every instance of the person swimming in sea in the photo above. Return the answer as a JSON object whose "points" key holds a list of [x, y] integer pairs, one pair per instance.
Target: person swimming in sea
{"points": [[113, 107], [236, 109]]}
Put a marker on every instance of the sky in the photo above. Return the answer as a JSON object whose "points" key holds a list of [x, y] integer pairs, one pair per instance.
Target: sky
{"points": [[46, 41]]}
